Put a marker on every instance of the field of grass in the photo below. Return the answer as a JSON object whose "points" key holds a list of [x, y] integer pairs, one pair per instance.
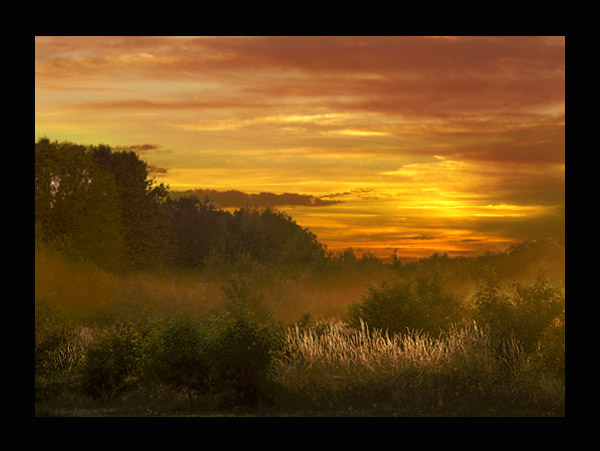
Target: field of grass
{"points": [[264, 343]]}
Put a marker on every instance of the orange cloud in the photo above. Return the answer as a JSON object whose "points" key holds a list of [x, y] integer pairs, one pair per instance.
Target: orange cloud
{"points": [[454, 123]]}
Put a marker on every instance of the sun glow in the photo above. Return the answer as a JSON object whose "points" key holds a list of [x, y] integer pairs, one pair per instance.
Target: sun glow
{"points": [[426, 144]]}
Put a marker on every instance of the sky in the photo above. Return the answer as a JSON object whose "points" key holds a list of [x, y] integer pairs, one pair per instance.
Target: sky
{"points": [[421, 144]]}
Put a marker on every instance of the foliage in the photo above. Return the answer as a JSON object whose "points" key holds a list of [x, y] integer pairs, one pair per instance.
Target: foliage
{"points": [[104, 202], [177, 356], [111, 364], [51, 331], [519, 261], [532, 313], [55, 350], [246, 343], [396, 305], [74, 198], [410, 342], [330, 366], [198, 230], [272, 237]]}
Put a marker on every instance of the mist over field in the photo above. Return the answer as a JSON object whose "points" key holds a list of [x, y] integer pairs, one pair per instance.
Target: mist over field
{"points": [[148, 304], [300, 226]]}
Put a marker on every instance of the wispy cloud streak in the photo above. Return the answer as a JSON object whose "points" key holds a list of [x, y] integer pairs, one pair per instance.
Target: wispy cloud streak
{"points": [[421, 121]]}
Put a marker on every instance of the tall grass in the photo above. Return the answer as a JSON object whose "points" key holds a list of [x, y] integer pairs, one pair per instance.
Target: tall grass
{"points": [[328, 364], [461, 372]]}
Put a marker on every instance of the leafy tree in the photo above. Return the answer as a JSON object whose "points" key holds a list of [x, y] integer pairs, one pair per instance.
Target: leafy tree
{"points": [[144, 218], [103, 201], [286, 242], [199, 229], [272, 237], [75, 198]]}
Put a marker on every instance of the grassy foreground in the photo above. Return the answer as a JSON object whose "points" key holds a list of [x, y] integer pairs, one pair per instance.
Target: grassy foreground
{"points": [[414, 343]]}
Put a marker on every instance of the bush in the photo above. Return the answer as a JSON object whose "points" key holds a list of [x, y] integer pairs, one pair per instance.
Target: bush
{"points": [[177, 356], [111, 363], [533, 314], [244, 348], [55, 353], [397, 305]]}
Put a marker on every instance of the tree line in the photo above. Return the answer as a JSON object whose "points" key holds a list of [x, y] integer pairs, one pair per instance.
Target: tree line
{"points": [[101, 204]]}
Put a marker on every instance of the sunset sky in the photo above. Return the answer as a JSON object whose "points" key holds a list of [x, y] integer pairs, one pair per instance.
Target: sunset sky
{"points": [[430, 144]]}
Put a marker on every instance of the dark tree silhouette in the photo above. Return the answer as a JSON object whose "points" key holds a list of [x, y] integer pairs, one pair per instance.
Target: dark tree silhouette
{"points": [[104, 201]]}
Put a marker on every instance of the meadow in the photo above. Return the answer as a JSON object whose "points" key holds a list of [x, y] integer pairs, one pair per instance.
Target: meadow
{"points": [[440, 337], [148, 305]]}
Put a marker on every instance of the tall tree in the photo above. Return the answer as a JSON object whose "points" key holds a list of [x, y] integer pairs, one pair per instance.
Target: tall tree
{"points": [[75, 198], [144, 218]]}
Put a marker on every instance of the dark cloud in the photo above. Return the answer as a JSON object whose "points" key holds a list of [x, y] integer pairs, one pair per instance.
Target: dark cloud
{"points": [[390, 53], [156, 170], [418, 237], [398, 74], [142, 148], [410, 75], [138, 148], [523, 143], [360, 193], [238, 199]]}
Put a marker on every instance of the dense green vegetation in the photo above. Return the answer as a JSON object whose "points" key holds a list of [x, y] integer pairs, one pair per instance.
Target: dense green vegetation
{"points": [[103, 203], [147, 305]]}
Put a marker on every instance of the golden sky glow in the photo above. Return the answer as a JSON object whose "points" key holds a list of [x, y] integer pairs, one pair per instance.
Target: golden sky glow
{"points": [[440, 144]]}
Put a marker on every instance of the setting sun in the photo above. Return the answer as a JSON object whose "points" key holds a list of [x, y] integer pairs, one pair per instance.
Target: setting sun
{"points": [[457, 139]]}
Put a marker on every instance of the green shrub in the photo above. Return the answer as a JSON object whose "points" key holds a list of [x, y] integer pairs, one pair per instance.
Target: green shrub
{"points": [[111, 363], [244, 348], [533, 313], [177, 356], [423, 304]]}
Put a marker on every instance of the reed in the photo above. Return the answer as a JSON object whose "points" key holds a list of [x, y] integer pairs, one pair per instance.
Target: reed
{"points": [[331, 364]]}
